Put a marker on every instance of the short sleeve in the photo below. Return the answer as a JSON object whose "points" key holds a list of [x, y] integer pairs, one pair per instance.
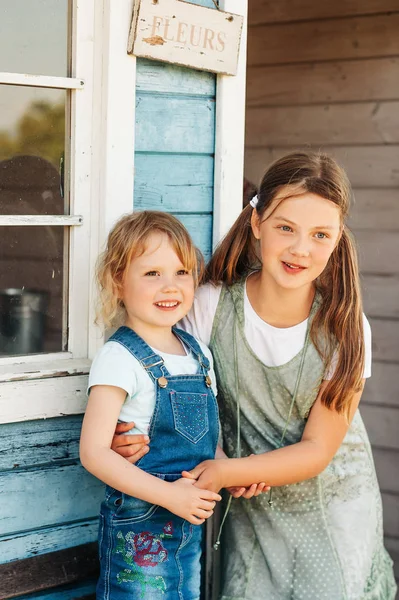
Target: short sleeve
{"points": [[367, 352], [199, 320], [114, 365]]}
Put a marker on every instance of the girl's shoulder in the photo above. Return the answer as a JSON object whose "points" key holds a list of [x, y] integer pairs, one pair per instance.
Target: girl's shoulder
{"points": [[199, 320], [114, 365]]}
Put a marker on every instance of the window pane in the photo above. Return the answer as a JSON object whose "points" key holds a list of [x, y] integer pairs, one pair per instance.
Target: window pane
{"points": [[34, 37], [31, 289], [32, 147]]}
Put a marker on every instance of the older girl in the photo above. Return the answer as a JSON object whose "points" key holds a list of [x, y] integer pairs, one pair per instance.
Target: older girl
{"points": [[282, 313]]}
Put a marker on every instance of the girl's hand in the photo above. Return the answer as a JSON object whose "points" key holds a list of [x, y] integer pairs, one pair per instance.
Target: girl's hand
{"points": [[249, 492], [132, 447], [190, 502], [208, 475]]}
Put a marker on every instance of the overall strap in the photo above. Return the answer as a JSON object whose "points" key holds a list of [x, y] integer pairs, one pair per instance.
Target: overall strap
{"points": [[151, 362], [195, 348]]}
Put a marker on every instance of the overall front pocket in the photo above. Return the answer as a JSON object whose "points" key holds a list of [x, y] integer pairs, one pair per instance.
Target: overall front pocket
{"points": [[190, 413]]}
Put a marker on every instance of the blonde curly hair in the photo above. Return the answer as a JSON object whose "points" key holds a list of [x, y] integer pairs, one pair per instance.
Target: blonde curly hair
{"points": [[127, 239]]}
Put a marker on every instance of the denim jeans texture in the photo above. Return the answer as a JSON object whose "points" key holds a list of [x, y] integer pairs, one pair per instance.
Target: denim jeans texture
{"points": [[147, 552]]}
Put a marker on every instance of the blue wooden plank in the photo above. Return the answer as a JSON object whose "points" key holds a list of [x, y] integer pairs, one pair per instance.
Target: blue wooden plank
{"points": [[49, 539], [175, 124], [34, 443], [174, 183], [200, 229], [70, 592], [33, 499], [160, 77]]}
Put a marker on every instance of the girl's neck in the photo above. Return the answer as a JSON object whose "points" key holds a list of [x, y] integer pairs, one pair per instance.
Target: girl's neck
{"points": [[160, 338], [277, 306]]}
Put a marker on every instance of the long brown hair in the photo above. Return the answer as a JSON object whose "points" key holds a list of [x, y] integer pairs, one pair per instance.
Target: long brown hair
{"points": [[127, 239], [337, 328]]}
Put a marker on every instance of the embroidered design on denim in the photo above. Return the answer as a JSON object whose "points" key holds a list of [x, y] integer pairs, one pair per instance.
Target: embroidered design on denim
{"points": [[140, 550], [168, 529]]}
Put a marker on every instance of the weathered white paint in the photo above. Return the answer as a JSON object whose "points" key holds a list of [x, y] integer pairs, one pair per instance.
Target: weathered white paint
{"points": [[42, 398], [182, 33], [113, 137], [42, 81], [77, 296], [24, 362], [35, 220], [229, 145], [43, 369]]}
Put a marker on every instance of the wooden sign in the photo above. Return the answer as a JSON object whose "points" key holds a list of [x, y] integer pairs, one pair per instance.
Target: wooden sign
{"points": [[179, 32]]}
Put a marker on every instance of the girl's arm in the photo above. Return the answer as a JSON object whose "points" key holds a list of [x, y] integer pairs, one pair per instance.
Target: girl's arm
{"points": [[323, 435], [103, 408]]}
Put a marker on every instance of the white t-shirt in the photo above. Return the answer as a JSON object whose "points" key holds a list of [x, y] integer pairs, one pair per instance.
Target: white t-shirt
{"points": [[115, 365], [274, 346]]}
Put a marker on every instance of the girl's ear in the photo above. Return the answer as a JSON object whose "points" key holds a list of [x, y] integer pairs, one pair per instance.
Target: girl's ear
{"points": [[255, 224]]}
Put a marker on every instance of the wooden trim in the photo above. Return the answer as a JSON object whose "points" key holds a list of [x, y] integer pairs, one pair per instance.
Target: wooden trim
{"points": [[47, 220], [81, 168], [48, 571], [42, 81], [229, 143]]}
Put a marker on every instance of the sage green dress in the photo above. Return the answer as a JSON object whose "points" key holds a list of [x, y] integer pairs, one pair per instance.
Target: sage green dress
{"points": [[322, 538]]}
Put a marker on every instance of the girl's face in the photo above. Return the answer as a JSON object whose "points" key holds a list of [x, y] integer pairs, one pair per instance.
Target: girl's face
{"points": [[158, 290], [297, 237]]}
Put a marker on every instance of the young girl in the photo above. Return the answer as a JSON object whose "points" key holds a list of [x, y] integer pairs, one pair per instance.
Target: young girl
{"points": [[161, 378], [283, 316]]}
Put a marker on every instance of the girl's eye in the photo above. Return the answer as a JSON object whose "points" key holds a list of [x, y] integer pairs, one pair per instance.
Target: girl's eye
{"points": [[285, 228], [183, 272], [151, 273], [321, 236]]}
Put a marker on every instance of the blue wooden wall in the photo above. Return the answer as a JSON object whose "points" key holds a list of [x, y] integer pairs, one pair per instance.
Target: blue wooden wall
{"points": [[47, 501], [175, 140]]}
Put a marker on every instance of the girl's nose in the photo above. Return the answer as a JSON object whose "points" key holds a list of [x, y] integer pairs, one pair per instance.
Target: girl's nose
{"points": [[300, 248]]}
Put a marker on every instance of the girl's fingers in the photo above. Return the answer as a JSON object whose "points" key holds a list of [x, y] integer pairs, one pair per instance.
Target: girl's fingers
{"points": [[208, 495], [203, 514], [236, 492], [250, 492], [123, 427], [195, 520], [129, 440], [137, 455], [187, 475]]}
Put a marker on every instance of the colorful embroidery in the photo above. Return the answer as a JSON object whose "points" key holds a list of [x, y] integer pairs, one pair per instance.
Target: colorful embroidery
{"points": [[168, 529], [143, 549]]}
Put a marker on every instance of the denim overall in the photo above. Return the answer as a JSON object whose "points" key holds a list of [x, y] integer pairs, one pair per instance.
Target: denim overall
{"points": [[145, 550]]}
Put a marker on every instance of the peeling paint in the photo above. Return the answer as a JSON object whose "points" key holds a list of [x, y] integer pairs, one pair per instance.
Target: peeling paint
{"points": [[155, 40]]}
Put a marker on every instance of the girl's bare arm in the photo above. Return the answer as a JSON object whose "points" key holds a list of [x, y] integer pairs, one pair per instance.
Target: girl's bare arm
{"points": [[323, 435], [102, 412]]}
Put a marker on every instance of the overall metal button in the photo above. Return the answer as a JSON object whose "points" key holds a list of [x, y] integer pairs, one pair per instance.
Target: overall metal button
{"points": [[162, 382], [208, 381]]}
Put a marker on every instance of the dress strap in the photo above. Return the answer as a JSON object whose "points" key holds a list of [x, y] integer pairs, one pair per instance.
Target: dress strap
{"points": [[149, 360], [195, 348]]}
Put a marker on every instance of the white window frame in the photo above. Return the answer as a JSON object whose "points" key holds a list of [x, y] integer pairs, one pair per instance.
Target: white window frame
{"points": [[101, 190], [36, 386]]}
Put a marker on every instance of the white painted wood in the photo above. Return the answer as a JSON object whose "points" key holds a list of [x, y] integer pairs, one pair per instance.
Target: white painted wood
{"points": [[35, 220], [113, 137], [83, 29], [42, 81], [34, 358], [229, 144], [182, 33], [43, 369], [42, 398]]}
